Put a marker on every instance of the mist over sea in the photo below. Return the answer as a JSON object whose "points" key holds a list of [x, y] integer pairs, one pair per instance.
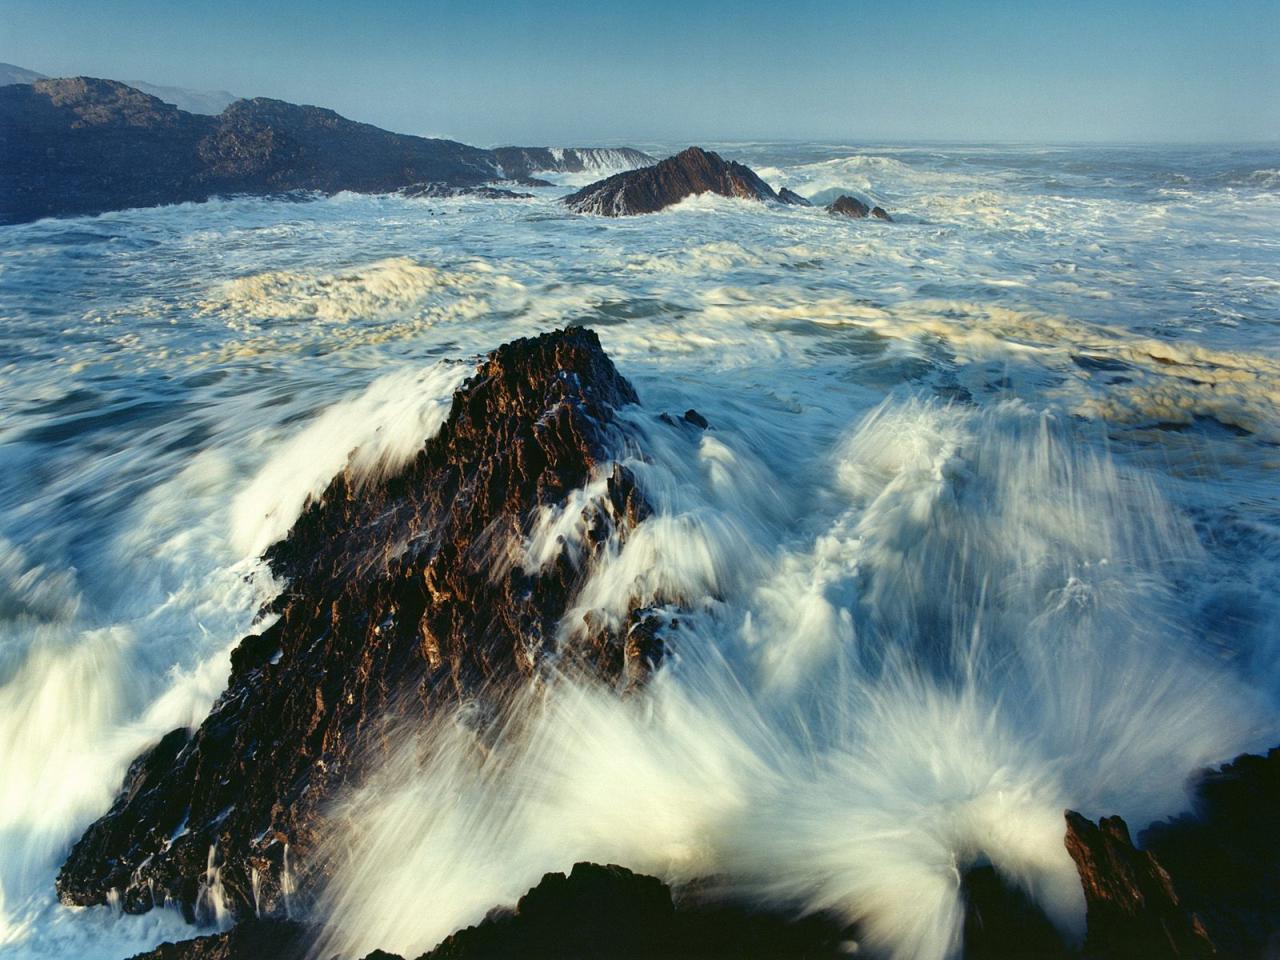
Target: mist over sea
{"points": [[986, 525]]}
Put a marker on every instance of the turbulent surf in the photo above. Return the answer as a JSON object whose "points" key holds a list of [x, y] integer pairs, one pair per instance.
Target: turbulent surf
{"points": [[859, 550]]}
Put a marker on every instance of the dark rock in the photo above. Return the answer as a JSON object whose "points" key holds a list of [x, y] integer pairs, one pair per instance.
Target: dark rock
{"points": [[1224, 856], [608, 912], [846, 206], [881, 214], [791, 198], [695, 418], [396, 597], [1001, 921], [250, 940], [445, 190], [1132, 907], [650, 189], [520, 162]]}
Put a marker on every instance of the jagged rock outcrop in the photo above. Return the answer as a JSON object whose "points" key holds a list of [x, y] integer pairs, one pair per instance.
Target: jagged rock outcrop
{"points": [[1206, 883], [522, 162], [792, 199], [847, 206], [84, 145], [650, 189], [402, 592], [1133, 909]]}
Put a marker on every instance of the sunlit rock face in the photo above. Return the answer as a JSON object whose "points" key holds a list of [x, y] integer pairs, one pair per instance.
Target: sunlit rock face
{"points": [[404, 593], [650, 189]]}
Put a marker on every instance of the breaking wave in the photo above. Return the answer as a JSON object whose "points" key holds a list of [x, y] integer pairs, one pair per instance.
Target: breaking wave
{"points": [[979, 627]]}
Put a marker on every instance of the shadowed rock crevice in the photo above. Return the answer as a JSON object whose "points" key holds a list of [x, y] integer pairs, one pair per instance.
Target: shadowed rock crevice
{"points": [[401, 593]]}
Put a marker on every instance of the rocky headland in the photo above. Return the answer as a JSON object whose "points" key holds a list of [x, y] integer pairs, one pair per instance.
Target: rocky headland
{"points": [[82, 145]]}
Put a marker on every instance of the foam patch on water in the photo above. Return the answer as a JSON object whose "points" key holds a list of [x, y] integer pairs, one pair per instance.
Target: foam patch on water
{"points": [[393, 286]]}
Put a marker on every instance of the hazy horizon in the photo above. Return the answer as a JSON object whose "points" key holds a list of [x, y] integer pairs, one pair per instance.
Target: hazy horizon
{"points": [[1135, 72]]}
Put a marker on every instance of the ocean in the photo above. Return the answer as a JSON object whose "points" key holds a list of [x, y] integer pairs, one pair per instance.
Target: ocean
{"points": [[986, 524]]}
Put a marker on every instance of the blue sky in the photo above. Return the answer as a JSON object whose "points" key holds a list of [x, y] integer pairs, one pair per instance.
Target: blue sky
{"points": [[560, 71]]}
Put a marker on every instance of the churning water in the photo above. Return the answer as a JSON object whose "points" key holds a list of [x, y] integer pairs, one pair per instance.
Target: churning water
{"points": [[986, 526]]}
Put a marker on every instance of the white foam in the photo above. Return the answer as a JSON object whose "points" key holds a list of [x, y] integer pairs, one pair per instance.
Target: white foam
{"points": [[370, 435]]}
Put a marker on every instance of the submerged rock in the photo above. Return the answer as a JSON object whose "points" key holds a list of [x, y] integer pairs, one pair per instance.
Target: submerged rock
{"points": [[791, 198], [402, 592], [650, 189], [846, 206]]}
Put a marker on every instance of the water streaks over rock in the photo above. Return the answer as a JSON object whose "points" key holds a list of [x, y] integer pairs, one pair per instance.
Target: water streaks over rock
{"points": [[400, 590]]}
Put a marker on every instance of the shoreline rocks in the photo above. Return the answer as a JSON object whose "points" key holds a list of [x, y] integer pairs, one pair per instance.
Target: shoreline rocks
{"points": [[82, 145]]}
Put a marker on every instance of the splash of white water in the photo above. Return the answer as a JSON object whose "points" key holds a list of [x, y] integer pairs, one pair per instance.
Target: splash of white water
{"points": [[979, 628]]}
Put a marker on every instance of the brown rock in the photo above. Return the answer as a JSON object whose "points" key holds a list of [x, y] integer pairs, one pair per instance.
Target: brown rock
{"points": [[397, 597], [1133, 909], [650, 189]]}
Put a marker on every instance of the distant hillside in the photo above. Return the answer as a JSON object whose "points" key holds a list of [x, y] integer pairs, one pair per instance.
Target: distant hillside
{"points": [[211, 102], [13, 74], [83, 145]]}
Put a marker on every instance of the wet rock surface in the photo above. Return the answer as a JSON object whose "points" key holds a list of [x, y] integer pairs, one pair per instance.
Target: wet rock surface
{"points": [[855, 209], [400, 596], [791, 198], [1133, 909], [650, 189], [251, 940]]}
